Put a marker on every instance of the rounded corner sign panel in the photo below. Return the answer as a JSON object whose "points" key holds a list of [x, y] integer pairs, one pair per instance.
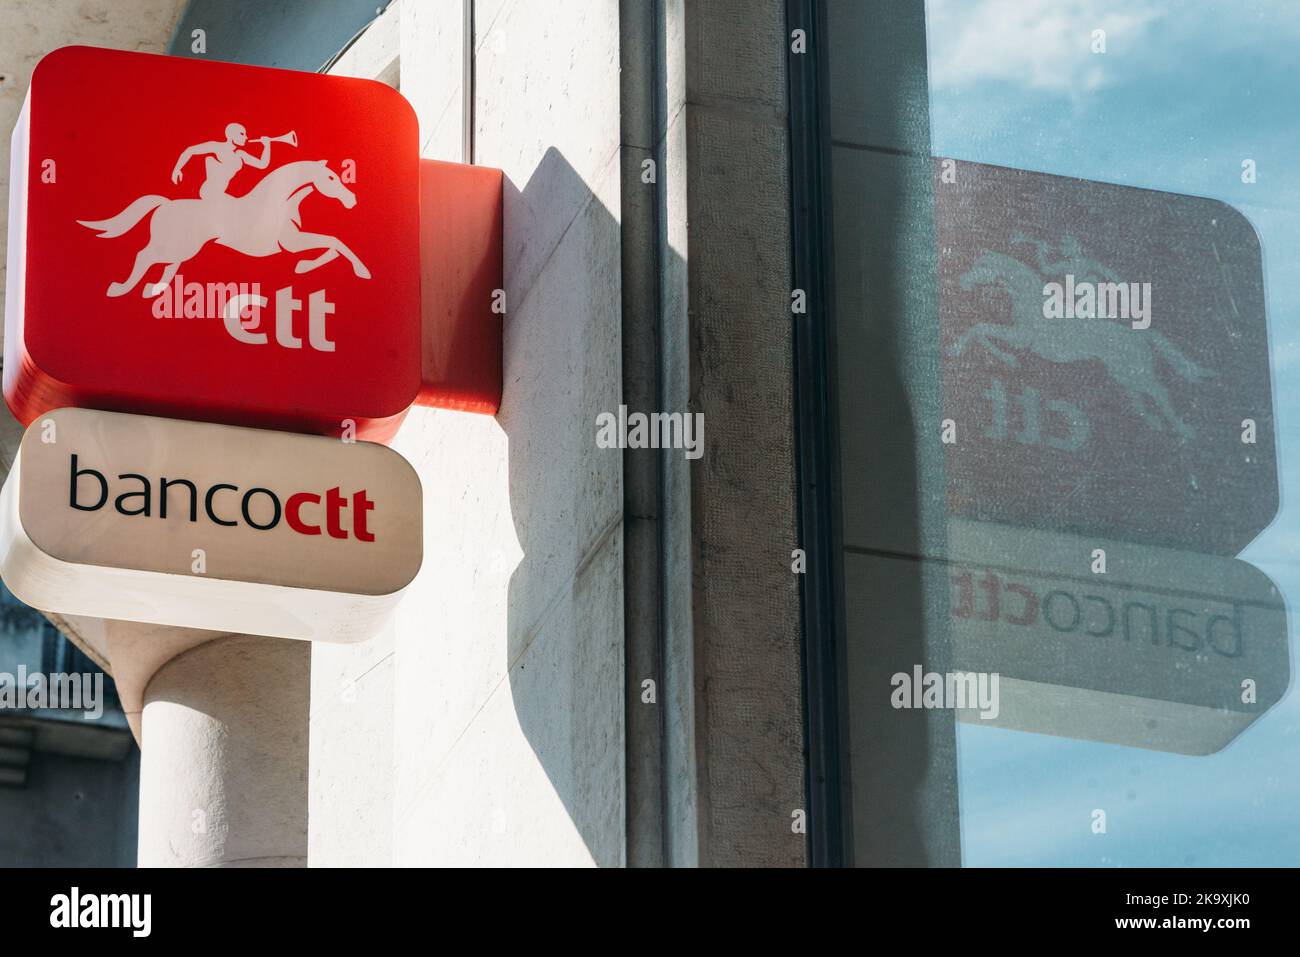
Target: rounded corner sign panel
{"points": [[210, 526], [213, 241], [1108, 345]]}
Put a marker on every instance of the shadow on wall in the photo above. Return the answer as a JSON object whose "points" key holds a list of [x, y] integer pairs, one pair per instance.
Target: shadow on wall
{"points": [[562, 367]]}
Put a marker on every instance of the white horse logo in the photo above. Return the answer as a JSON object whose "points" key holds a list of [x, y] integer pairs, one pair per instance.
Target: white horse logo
{"points": [[1128, 358], [262, 222]]}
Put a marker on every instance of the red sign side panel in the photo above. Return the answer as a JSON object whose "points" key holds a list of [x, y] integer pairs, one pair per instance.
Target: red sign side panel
{"points": [[461, 271]]}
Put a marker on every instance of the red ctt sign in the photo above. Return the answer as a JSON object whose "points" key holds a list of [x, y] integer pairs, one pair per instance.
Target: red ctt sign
{"points": [[211, 241]]}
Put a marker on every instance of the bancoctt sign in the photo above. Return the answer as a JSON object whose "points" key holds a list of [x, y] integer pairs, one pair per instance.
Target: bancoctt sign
{"points": [[212, 241], [208, 526], [141, 489]]}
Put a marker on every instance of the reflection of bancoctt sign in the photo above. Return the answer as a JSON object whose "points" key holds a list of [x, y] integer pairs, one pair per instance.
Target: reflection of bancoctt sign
{"points": [[1167, 650], [291, 201], [208, 526], [1096, 610]]}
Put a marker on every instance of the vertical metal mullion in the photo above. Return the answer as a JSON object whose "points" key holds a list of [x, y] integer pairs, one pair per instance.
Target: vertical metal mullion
{"points": [[816, 432], [645, 596]]}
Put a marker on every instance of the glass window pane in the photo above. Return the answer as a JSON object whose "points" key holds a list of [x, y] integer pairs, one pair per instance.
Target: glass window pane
{"points": [[1066, 315]]}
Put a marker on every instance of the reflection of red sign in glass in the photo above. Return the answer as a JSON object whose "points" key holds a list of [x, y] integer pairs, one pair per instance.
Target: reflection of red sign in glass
{"points": [[1103, 350], [212, 241]]}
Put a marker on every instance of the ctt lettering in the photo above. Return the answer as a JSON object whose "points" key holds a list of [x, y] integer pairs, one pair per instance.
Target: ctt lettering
{"points": [[306, 513]]}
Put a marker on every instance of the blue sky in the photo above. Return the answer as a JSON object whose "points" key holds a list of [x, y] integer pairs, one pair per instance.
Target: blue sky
{"points": [[1184, 92]]}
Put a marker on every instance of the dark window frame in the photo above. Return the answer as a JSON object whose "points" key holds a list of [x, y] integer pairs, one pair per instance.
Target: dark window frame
{"points": [[816, 431]]}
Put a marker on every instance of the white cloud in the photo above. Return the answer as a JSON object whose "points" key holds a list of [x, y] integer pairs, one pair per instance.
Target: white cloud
{"points": [[1041, 45]]}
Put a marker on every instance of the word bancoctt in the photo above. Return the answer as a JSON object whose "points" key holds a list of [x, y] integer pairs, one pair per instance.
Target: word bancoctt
{"points": [[259, 507], [229, 301], [1102, 611], [1103, 300]]}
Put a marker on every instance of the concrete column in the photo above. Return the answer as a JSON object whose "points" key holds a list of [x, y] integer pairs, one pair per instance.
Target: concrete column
{"points": [[223, 777]]}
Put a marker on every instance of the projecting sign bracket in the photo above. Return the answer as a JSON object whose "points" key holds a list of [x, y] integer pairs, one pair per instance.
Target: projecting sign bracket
{"points": [[460, 273]]}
